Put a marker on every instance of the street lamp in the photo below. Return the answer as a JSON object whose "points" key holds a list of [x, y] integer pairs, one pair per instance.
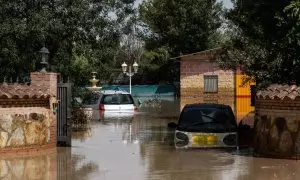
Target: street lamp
{"points": [[44, 51], [129, 73]]}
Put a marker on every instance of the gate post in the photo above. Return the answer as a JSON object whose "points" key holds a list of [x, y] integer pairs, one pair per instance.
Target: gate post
{"points": [[64, 124]]}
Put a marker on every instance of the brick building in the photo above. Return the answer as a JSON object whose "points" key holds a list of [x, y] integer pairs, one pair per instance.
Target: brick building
{"points": [[202, 80]]}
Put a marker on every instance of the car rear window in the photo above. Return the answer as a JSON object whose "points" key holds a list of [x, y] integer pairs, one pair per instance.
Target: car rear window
{"points": [[205, 115], [117, 99]]}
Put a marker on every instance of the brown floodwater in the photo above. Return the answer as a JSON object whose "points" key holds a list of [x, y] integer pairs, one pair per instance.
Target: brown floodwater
{"points": [[139, 147]]}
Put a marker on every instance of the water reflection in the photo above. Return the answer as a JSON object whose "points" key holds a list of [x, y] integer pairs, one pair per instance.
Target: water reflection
{"points": [[82, 134], [195, 164], [59, 163], [28, 167], [81, 169], [140, 148]]}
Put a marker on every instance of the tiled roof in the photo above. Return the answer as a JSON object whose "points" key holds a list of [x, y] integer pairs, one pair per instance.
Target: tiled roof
{"points": [[207, 54], [277, 91], [24, 91]]}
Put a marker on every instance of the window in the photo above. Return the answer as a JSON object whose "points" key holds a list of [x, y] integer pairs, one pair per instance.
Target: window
{"points": [[210, 83], [198, 116], [253, 94], [117, 99]]}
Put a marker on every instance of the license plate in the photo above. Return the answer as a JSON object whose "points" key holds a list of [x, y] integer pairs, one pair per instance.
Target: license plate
{"points": [[205, 139]]}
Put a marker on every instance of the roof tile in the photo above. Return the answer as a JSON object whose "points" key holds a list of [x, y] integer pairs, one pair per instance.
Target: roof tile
{"points": [[24, 91], [279, 91]]}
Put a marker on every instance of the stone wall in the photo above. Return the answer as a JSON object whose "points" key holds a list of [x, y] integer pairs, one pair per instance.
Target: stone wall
{"points": [[26, 127], [277, 122], [27, 120], [192, 70]]}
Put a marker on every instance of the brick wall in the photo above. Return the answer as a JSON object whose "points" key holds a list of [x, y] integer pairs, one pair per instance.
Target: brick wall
{"points": [[277, 127], [192, 71], [41, 102]]}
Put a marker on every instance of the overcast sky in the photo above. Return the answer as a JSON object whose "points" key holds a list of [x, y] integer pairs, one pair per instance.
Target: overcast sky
{"points": [[227, 3]]}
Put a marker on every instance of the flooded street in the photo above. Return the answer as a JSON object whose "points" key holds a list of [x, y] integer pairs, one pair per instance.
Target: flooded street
{"points": [[139, 147]]}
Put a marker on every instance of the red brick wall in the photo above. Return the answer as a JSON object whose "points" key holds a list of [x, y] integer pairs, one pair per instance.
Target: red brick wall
{"points": [[46, 79], [41, 102]]}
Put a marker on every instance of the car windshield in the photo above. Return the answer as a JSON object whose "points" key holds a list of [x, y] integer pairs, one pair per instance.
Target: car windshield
{"points": [[199, 116], [117, 99]]}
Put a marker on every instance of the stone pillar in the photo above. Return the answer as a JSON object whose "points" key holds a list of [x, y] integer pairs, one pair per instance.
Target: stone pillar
{"points": [[48, 80]]}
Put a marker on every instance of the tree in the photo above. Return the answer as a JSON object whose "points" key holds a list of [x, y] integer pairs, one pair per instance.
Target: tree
{"points": [[264, 41], [176, 27], [182, 26], [69, 29], [131, 49]]}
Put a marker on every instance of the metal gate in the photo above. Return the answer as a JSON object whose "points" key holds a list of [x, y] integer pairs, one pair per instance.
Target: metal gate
{"points": [[64, 129]]}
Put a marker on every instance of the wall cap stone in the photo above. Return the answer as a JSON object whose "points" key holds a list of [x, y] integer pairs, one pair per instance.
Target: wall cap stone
{"points": [[17, 91], [280, 92]]}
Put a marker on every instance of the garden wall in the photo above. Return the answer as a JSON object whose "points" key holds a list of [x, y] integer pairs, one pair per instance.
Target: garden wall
{"points": [[27, 118], [277, 118]]}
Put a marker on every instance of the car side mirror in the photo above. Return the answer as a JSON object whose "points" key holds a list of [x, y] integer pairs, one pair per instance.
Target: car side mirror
{"points": [[172, 125]]}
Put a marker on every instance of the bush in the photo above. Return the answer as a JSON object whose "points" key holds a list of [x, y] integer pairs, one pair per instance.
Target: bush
{"points": [[80, 119], [87, 96]]}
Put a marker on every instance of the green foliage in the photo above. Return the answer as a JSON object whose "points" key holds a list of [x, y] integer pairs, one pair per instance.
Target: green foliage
{"points": [[183, 26], [87, 96], [156, 64], [68, 28], [264, 41], [81, 69], [80, 120], [177, 27]]}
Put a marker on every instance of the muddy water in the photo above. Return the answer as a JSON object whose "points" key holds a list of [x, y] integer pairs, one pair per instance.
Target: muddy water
{"points": [[139, 147]]}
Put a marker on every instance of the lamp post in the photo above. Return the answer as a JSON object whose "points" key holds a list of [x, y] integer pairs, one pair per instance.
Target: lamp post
{"points": [[44, 51], [130, 73]]}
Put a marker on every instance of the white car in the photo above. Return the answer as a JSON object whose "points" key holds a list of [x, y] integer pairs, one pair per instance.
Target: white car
{"points": [[116, 104], [119, 101]]}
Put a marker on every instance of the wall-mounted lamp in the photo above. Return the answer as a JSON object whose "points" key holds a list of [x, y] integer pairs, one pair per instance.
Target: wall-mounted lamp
{"points": [[54, 106], [44, 51]]}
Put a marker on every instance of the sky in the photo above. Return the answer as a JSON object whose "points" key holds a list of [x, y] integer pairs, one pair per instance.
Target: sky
{"points": [[227, 3]]}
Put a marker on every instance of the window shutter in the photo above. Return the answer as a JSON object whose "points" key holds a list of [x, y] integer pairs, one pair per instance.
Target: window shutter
{"points": [[211, 83]]}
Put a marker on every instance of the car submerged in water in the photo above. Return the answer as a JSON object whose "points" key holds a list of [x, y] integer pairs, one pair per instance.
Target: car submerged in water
{"points": [[207, 126], [116, 104]]}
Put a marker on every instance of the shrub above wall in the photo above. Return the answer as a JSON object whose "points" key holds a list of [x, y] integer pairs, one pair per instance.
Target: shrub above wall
{"points": [[277, 122]]}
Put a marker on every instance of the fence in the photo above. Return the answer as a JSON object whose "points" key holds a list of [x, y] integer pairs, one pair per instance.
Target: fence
{"points": [[146, 90], [64, 131]]}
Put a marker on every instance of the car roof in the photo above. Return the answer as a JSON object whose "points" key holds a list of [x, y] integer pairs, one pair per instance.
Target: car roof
{"points": [[207, 105], [114, 92]]}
